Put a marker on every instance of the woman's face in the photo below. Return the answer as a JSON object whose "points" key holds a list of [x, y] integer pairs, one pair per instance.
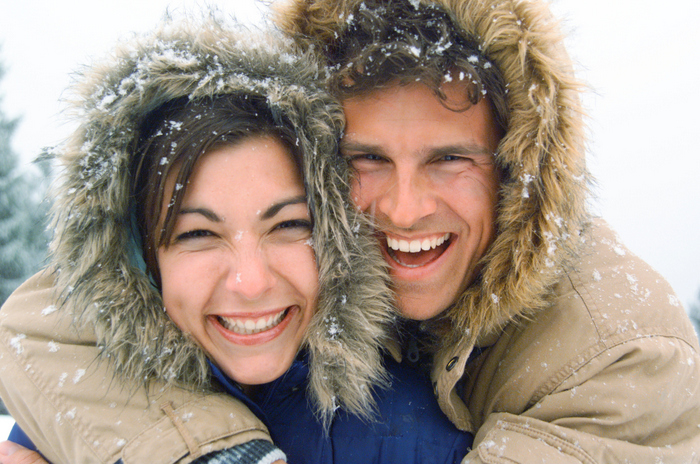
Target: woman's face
{"points": [[239, 274]]}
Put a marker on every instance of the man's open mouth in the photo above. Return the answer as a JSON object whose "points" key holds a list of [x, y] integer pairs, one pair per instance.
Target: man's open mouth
{"points": [[416, 253]]}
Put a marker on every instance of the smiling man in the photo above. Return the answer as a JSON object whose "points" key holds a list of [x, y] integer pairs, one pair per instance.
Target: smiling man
{"points": [[545, 336], [427, 175]]}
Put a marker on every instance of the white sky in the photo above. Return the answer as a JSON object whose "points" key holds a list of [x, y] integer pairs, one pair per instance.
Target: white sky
{"points": [[641, 60]]}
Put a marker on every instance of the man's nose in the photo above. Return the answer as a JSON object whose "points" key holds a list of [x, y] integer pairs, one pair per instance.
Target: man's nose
{"points": [[250, 274], [407, 200]]}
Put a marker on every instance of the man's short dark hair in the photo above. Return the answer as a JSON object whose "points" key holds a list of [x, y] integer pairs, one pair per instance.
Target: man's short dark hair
{"points": [[402, 41]]}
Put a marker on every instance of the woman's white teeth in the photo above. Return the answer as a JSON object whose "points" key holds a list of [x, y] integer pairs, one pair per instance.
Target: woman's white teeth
{"points": [[252, 326], [414, 246]]}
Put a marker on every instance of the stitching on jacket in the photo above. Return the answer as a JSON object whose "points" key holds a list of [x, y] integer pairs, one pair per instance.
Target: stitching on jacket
{"points": [[585, 302], [594, 352], [41, 384], [191, 443], [549, 439]]}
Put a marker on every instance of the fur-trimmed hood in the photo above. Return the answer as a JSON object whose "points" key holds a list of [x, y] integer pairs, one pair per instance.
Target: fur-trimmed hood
{"points": [[94, 248], [542, 208]]}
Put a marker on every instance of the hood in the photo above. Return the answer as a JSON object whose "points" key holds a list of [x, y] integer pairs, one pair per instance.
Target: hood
{"points": [[544, 189], [98, 263]]}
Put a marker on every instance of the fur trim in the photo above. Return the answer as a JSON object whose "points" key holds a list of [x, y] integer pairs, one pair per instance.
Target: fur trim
{"points": [[542, 209], [93, 247]]}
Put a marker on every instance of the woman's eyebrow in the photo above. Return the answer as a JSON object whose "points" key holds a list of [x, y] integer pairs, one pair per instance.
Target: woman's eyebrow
{"points": [[207, 213], [276, 207]]}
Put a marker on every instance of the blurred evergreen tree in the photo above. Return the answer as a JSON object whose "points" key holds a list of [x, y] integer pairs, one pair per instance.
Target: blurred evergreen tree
{"points": [[23, 236]]}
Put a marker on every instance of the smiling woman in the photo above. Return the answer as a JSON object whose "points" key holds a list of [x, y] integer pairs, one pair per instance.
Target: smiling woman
{"points": [[222, 211], [238, 273]]}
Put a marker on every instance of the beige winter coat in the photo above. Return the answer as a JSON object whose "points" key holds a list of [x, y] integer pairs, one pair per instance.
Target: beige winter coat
{"points": [[76, 410], [610, 373]]}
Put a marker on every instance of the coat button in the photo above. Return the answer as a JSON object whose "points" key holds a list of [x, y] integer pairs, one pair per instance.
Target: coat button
{"points": [[452, 363]]}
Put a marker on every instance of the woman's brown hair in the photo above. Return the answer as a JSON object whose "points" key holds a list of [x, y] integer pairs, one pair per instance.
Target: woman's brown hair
{"points": [[176, 136]]}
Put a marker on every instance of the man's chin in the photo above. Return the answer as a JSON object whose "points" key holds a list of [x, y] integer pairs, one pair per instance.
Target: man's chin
{"points": [[419, 309]]}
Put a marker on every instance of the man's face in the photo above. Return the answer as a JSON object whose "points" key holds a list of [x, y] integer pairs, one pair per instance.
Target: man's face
{"points": [[427, 175]]}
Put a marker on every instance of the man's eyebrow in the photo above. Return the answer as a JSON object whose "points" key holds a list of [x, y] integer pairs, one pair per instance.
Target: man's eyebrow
{"points": [[458, 149], [461, 149], [277, 207], [360, 147], [207, 213]]}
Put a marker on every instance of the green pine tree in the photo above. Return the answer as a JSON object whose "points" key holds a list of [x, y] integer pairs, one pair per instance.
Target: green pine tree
{"points": [[22, 213]]}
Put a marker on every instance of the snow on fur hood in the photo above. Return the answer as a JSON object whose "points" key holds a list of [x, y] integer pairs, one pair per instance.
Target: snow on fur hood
{"points": [[542, 208], [94, 250]]}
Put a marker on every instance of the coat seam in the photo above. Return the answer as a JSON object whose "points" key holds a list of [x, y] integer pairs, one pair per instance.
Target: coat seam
{"points": [[50, 395]]}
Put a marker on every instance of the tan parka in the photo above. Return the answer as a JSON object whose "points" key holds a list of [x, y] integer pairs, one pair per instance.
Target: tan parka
{"points": [[88, 358]]}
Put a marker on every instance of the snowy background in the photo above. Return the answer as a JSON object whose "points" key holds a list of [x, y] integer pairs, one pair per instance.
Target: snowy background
{"points": [[641, 61]]}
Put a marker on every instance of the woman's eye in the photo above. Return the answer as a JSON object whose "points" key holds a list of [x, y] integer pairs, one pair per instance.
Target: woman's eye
{"points": [[304, 224], [193, 234]]}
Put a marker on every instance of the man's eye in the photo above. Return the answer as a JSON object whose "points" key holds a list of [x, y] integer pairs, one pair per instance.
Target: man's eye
{"points": [[193, 234], [365, 157], [453, 158]]}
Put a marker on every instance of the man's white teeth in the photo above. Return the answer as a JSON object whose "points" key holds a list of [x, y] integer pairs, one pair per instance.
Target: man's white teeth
{"points": [[414, 246], [251, 326]]}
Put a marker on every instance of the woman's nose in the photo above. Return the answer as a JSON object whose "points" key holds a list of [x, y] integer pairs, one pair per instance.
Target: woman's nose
{"points": [[250, 275]]}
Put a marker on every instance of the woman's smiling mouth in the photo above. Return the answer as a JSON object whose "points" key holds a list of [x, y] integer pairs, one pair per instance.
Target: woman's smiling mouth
{"points": [[251, 326]]}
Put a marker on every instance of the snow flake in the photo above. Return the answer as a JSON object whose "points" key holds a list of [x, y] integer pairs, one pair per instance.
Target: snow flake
{"points": [[526, 179], [71, 414], [53, 347], [16, 343], [333, 327], [48, 310], [596, 275], [617, 248], [673, 300], [78, 375]]}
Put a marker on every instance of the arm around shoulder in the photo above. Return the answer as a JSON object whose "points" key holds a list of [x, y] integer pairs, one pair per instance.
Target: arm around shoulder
{"points": [[75, 408], [635, 402]]}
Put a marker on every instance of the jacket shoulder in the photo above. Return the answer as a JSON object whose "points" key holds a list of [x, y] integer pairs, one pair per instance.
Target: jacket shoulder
{"points": [[618, 295], [52, 379]]}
